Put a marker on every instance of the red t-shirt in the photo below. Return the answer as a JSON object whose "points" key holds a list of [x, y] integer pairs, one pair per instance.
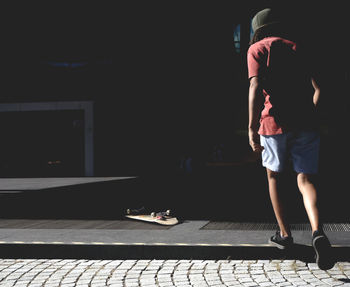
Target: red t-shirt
{"points": [[286, 86]]}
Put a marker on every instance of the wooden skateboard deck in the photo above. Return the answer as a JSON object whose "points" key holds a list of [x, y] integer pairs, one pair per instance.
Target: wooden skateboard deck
{"points": [[168, 220]]}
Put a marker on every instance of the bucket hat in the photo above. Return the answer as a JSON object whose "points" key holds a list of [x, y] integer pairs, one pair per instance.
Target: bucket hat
{"points": [[263, 18]]}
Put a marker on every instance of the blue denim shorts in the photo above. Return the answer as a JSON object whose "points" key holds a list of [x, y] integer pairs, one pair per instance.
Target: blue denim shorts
{"points": [[302, 148]]}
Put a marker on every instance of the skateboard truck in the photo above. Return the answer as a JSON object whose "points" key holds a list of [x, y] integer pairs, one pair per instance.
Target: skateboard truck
{"points": [[161, 215], [139, 211]]}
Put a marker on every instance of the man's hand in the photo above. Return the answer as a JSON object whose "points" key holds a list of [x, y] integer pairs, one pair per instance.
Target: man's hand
{"points": [[254, 141]]}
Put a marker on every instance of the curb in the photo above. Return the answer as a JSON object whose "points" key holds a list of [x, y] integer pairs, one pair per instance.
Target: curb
{"points": [[122, 251]]}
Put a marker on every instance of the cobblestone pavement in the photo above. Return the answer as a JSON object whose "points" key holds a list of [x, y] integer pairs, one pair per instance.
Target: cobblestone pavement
{"points": [[165, 273]]}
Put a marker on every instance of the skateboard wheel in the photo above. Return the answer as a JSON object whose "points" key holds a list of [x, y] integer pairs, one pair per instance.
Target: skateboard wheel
{"points": [[153, 214], [168, 212], [128, 211]]}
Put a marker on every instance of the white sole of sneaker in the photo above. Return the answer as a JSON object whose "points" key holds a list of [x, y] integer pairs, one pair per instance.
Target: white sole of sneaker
{"points": [[279, 246]]}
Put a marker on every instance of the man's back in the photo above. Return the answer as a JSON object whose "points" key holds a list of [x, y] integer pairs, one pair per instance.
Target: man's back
{"points": [[286, 80]]}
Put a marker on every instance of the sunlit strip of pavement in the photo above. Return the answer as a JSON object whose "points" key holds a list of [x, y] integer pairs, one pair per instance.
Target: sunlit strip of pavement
{"points": [[148, 244], [188, 240]]}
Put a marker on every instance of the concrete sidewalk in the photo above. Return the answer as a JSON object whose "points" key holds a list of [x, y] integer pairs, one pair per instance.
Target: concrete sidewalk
{"points": [[187, 240]]}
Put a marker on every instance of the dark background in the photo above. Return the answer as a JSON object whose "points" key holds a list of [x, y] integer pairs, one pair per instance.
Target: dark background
{"points": [[165, 83], [162, 76]]}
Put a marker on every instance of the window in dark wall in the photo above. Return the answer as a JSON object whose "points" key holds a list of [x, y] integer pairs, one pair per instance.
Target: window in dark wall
{"points": [[237, 37], [251, 30]]}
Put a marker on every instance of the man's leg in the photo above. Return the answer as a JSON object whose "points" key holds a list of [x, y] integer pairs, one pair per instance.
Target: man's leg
{"points": [[274, 180], [308, 191], [324, 257], [305, 155]]}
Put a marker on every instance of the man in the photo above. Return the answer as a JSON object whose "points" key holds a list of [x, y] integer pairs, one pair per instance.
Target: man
{"points": [[286, 128]]}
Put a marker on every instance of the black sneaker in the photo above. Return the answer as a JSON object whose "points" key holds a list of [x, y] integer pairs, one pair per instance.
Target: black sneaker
{"points": [[323, 250], [281, 242]]}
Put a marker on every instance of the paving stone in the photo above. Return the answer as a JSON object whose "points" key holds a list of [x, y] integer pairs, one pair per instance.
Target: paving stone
{"points": [[168, 273], [261, 279]]}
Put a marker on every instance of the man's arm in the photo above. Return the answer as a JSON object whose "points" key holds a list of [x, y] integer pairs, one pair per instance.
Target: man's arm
{"points": [[254, 109], [316, 98]]}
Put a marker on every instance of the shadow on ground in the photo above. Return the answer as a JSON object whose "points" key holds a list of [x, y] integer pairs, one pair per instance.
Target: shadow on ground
{"points": [[233, 193]]}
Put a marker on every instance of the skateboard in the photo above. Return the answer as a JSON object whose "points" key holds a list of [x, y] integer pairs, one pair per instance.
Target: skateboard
{"points": [[163, 218]]}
